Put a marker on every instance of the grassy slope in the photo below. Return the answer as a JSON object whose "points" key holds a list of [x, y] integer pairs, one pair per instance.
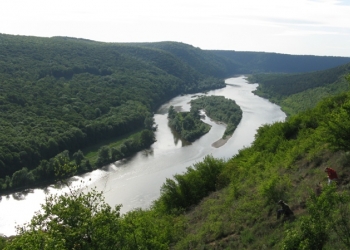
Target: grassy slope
{"points": [[285, 162], [226, 220], [243, 214]]}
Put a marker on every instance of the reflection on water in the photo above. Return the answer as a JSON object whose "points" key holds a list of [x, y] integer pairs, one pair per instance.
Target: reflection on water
{"points": [[148, 152], [177, 139], [21, 195], [18, 196], [46, 190], [136, 181], [233, 85]]}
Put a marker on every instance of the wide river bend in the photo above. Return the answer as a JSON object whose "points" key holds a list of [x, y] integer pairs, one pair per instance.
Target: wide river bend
{"points": [[136, 181]]}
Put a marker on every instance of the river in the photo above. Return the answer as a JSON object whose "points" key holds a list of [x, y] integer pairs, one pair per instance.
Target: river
{"points": [[136, 181]]}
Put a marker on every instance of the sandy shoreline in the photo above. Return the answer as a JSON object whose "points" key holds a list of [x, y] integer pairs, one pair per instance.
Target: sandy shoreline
{"points": [[220, 142]]}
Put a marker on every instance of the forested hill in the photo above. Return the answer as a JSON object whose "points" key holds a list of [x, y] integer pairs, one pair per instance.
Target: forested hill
{"points": [[59, 94], [258, 62], [218, 66], [299, 92], [64, 94]]}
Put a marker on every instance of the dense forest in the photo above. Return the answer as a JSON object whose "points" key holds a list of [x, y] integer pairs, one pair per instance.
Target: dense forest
{"points": [[188, 125], [299, 92], [224, 204], [61, 95], [220, 109]]}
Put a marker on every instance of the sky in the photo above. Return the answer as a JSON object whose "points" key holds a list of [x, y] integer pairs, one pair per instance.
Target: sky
{"points": [[300, 27]]}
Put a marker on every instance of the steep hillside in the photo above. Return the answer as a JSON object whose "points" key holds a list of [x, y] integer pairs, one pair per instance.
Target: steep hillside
{"points": [[206, 62], [287, 162], [298, 92]]}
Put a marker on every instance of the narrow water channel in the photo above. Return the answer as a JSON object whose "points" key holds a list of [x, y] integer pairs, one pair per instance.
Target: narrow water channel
{"points": [[136, 181]]}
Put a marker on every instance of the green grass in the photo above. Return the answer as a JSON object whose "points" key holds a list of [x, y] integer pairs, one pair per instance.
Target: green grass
{"points": [[91, 152]]}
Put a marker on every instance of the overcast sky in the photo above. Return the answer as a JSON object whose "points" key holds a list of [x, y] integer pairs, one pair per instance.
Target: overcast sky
{"points": [[313, 27]]}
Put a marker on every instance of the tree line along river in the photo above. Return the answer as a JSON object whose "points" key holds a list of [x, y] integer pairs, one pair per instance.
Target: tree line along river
{"points": [[136, 181]]}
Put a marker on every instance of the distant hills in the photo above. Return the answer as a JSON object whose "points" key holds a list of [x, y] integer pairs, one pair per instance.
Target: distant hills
{"points": [[262, 62]]}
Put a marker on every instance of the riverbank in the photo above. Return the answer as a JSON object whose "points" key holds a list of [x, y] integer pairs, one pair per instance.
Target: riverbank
{"points": [[221, 142], [136, 181]]}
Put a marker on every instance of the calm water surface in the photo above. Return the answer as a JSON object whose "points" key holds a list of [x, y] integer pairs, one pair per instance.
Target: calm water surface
{"points": [[136, 181]]}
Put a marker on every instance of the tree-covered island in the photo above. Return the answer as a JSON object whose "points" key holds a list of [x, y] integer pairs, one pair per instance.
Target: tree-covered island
{"points": [[189, 124], [220, 109]]}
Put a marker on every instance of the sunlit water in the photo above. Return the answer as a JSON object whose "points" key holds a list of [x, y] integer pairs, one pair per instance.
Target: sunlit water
{"points": [[136, 181]]}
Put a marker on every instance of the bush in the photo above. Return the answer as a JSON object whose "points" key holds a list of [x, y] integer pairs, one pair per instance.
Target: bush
{"points": [[328, 215], [188, 189]]}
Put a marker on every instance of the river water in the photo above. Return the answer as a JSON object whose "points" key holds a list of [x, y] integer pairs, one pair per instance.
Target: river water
{"points": [[136, 181]]}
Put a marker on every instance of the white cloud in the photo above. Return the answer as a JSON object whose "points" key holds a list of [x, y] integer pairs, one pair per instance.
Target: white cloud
{"points": [[250, 25]]}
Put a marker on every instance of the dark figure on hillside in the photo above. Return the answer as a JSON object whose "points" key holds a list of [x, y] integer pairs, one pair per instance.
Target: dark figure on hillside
{"points": [[318, 189], [332, 175], [285, 210]]}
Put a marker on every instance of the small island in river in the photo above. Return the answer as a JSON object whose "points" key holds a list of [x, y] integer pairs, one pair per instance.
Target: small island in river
{"points": [[189, 125]]}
